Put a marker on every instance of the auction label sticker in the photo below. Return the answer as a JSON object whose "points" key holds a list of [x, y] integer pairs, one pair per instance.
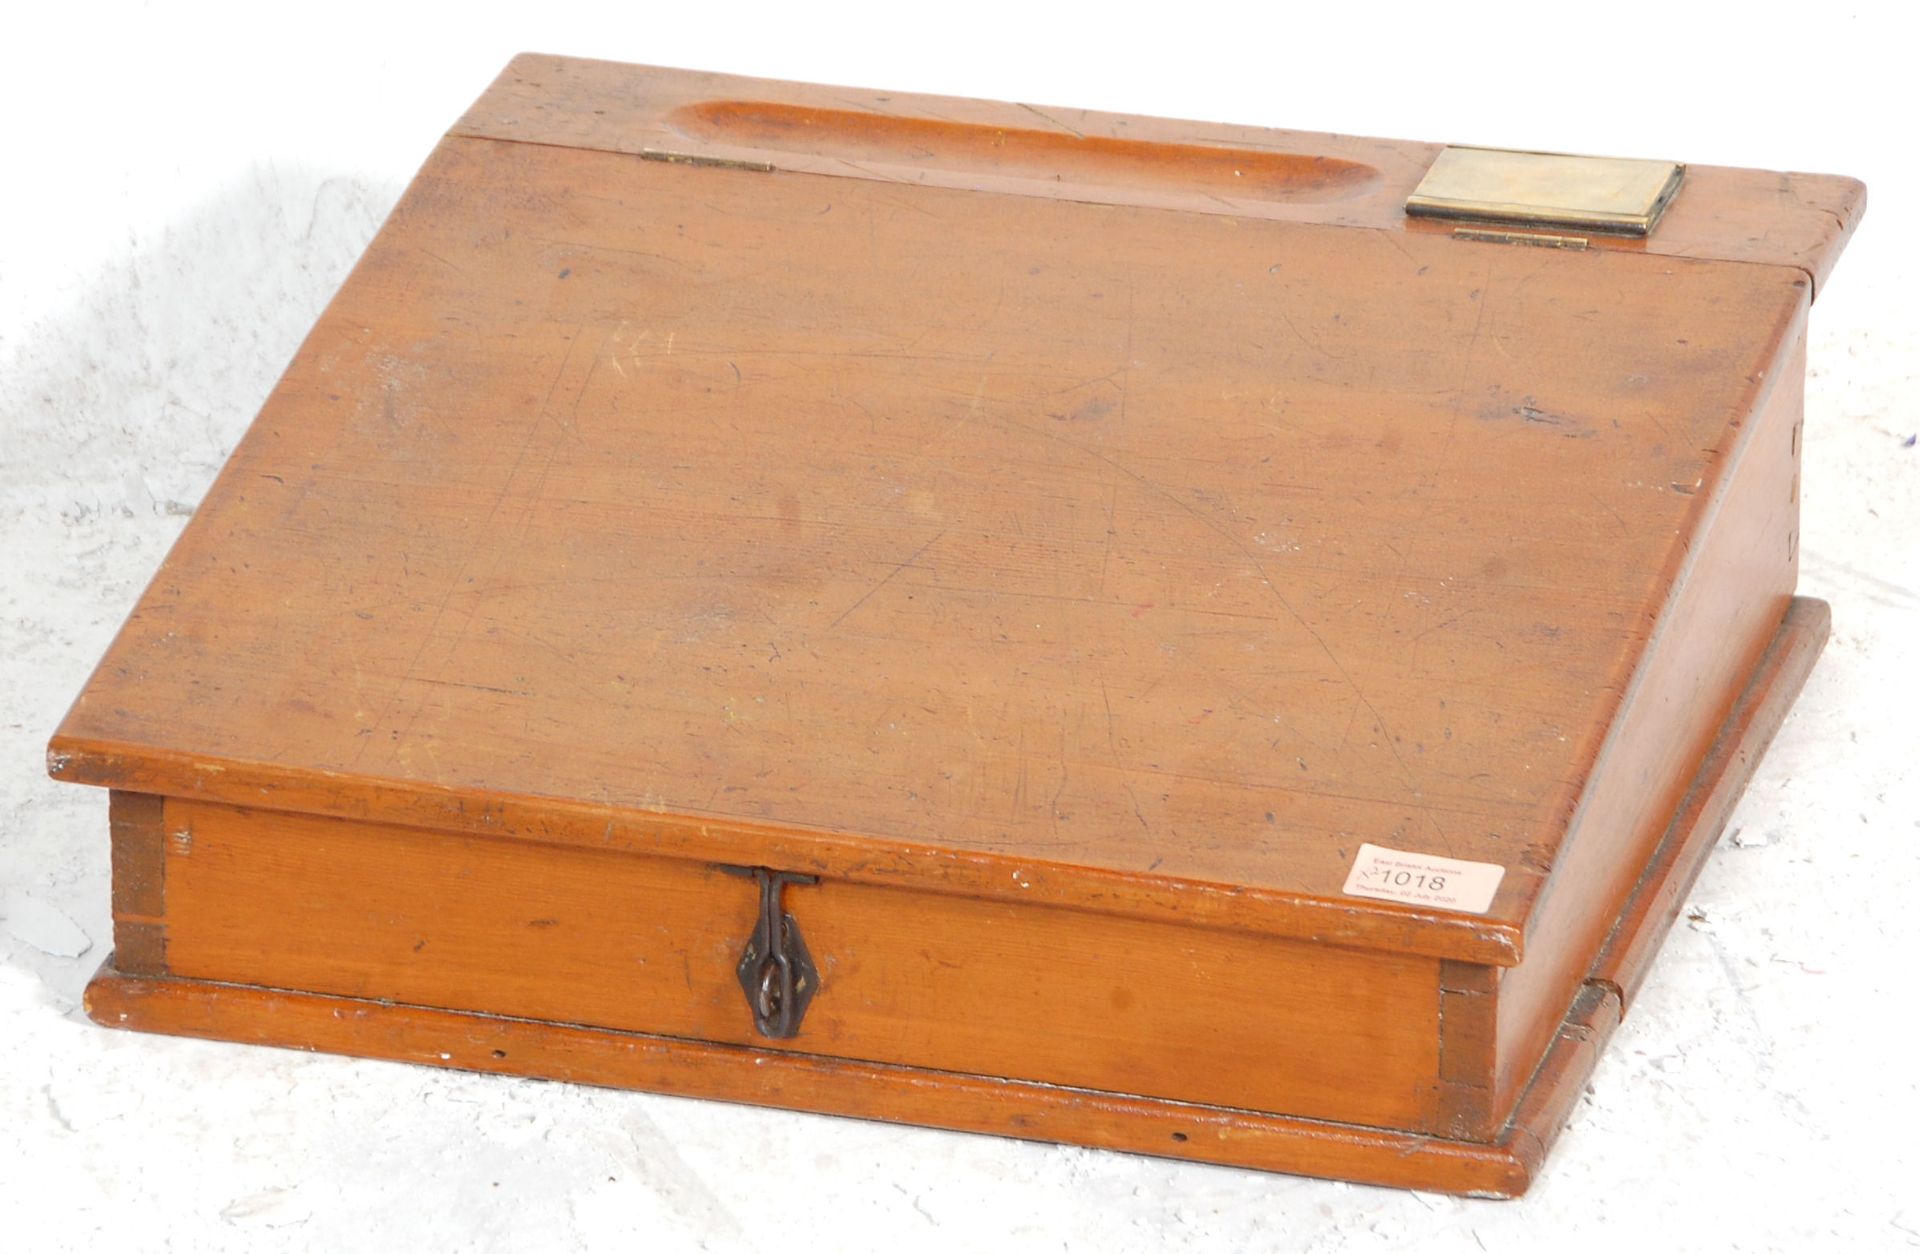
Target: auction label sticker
{"points": [[1421, 879]]}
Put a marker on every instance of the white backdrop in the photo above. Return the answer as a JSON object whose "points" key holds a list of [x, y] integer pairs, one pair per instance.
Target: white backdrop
{"points": [[184, 186]]}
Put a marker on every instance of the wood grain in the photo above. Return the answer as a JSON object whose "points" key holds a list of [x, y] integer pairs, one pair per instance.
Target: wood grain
{"points": [[1499, 1165], [1068, 536], [1464, 1098], [606, 507], [1728, 602], [650, 944], [587, 1055], [1762, 216], [1695, 831], [136, 828]]}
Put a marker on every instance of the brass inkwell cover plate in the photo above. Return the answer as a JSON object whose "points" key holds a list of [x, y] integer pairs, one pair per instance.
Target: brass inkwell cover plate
{"points": [[1613, 194]]}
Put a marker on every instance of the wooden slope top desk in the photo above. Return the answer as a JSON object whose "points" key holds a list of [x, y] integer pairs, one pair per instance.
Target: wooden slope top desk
{"points": [[1086, 627]]}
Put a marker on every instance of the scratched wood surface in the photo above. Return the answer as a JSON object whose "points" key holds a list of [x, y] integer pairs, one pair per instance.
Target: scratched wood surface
{"points": [[1728, 606], [943, 982], [402, 939], [1041, 1112], [1067, 536], [1766, 216]]}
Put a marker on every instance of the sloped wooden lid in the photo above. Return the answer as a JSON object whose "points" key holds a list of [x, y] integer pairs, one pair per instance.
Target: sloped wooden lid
{"points": [[785, 476]]}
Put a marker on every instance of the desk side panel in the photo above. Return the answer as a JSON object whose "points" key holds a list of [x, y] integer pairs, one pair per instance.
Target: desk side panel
{"points": [[1729, 605]]}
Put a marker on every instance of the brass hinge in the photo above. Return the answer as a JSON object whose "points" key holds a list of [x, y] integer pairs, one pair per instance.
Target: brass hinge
{"points": [[1535, 238], [694, 158]]}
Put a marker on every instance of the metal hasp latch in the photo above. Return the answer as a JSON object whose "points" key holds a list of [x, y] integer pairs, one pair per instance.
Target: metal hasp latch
{"points": [[1605, 194], [776, 971]]}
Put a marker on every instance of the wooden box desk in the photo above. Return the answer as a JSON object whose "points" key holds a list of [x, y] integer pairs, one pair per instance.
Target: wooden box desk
{"points": [[1083, 627]]}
